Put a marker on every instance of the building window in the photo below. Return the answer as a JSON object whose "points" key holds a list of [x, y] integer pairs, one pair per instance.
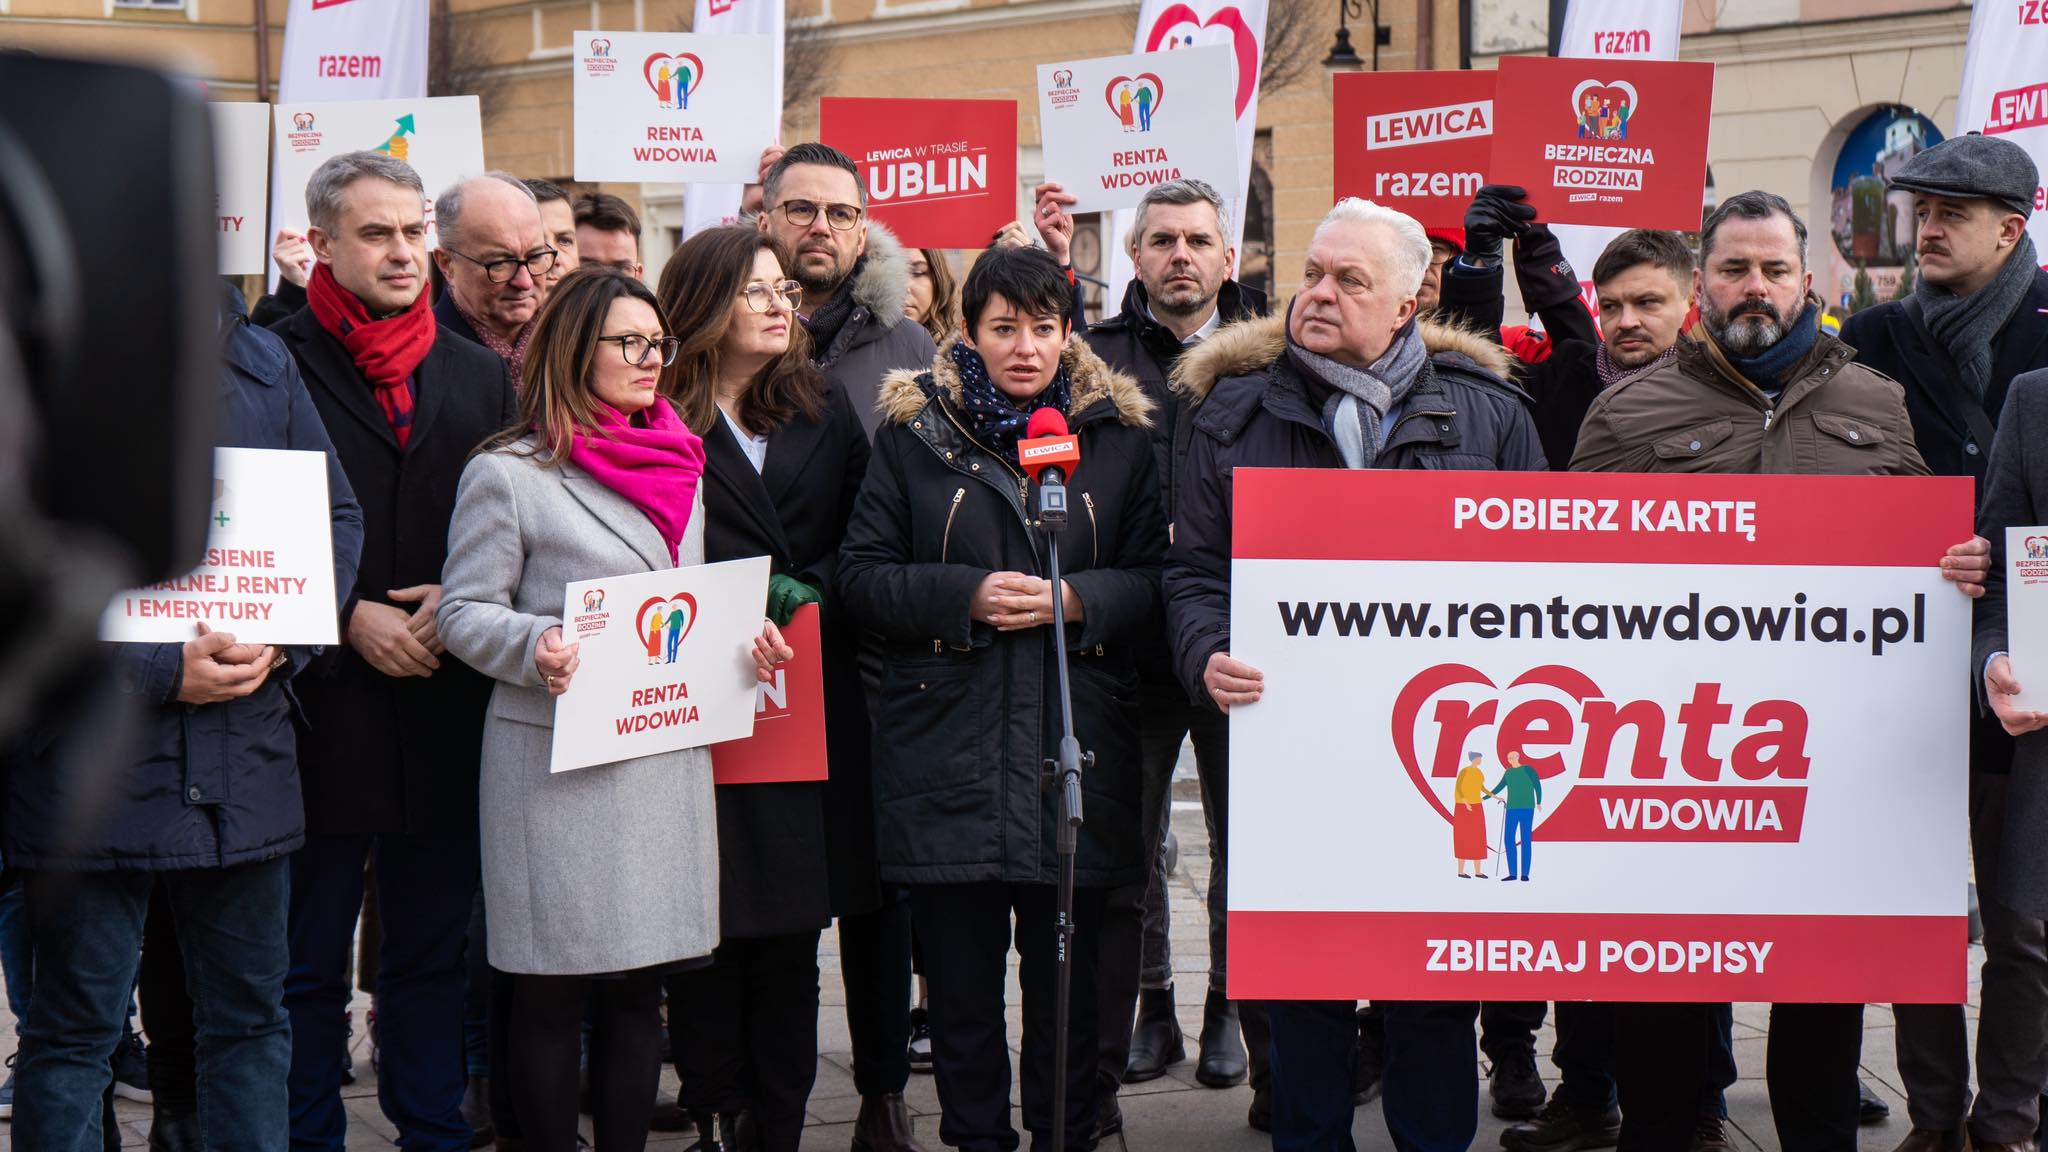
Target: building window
{"points": [[152, 5], [1255, 252], [1873, 229]]}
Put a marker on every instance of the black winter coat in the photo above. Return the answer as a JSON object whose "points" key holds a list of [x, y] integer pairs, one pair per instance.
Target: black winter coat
{"points": [[385, 754], [966, 715], [185, 786], [1949, 435], [792, 856], [1145, 350], [1251, 408], [1562, 386]]}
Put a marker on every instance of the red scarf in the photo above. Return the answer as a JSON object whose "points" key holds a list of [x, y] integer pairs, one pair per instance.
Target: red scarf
{"points": [[654, 463], [385, 351]]}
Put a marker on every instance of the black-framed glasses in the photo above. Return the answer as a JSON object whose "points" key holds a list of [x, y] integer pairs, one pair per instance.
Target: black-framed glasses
{"points": [[635, 348], [759, 296], [502, 271], [800, 213]]}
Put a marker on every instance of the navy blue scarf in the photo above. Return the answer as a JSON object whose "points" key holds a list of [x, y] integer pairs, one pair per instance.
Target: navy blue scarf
{"points": [[996, 421], [1767, 369]]}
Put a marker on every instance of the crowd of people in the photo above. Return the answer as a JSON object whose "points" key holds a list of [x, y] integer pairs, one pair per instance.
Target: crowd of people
{"points": [[518, 409]]}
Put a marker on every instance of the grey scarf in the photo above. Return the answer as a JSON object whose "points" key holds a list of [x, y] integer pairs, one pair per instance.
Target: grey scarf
{"points": [[1354, 413], [1966, 324]]}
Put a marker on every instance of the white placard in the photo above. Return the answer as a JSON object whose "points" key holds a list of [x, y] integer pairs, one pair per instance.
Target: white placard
{"points": [[241, 184], [2026, 613], [441, 137], [673, 106], [268, 575], [1113, 127], [713, 205], [666, 662]]}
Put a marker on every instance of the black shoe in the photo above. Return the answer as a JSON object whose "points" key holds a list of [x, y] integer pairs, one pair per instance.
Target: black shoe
{"points": [[669, 1116], [131, 1069], [1223, 1062], [1869, 1109], [476, 1111], [1156, 1041], [1109, 1115], [1563, 1128], [174, 1131], [1511, 878], [1712, 1133], [920, 1040], [1260, 1115], [1369, 1059], [1517, 1087]]}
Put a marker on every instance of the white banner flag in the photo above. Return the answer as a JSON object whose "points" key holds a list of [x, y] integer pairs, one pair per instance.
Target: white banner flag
{"points": [[241, 171], [2005, 88], [1618, 30], [710, 205], [337, 50], [1164, 25]]}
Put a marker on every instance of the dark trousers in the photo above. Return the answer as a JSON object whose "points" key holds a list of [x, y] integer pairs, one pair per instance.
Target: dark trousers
{"points": [[545, 1047], [167, 1012], [1810, 1068], [2012, 1061], [1430, 1094], [426, 885], [1135, 952], [88, 930], [964, 934], [874, 966], [1584, 1055], [744, 1033], [1671, 1061]]}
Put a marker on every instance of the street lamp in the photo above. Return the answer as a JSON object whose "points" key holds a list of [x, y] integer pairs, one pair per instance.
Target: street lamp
{"points": [[1341, 53]]}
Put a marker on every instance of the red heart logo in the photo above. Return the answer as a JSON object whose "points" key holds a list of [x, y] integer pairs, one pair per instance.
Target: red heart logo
{"points": [[672, 90], [681, 603], [1486, 713], [1137, 83], [1602, 111], [1176, 28]]}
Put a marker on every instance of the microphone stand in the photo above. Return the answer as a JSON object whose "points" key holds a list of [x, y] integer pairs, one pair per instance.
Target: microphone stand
{"points": [[1064, 776]]}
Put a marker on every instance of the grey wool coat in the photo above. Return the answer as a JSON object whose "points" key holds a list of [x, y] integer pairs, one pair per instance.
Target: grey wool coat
{"points": [[603, 869]]}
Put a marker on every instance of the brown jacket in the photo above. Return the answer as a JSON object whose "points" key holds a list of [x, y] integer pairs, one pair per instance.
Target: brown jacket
{"points": [[1697, 414]]}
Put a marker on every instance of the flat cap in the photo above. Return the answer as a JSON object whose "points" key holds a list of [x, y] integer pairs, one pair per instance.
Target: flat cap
{"points": [[1973, 167]]}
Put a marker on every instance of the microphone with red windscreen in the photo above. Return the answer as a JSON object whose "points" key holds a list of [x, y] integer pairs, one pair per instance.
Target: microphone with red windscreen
{"points": [[1048, 454]]}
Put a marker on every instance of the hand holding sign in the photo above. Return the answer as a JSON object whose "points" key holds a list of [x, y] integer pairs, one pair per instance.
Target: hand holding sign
{"points": [[556, 660]]}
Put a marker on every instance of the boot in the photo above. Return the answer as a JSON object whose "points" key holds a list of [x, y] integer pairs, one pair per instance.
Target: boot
{"points": [[714, 1132], [1223, 1063], [885, 1125], [1156, 1041], [476, 1111], [174, 1131]]}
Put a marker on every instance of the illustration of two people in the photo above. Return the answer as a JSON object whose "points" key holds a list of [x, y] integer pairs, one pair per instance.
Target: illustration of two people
{"points": [[1468, 818], [1143, 103], [665, 620], [672, 87]]}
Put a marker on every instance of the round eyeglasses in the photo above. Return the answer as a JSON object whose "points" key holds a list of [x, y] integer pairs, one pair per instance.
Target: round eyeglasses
{"points": [[635, 348], [760, 296]]}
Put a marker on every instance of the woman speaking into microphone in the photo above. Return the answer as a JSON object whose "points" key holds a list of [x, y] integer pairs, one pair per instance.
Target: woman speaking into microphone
{"points": [[602, 880], [942, 559]]}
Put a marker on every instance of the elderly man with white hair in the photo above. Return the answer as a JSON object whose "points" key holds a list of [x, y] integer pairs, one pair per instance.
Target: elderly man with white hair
{"points": [[1350, 377]]}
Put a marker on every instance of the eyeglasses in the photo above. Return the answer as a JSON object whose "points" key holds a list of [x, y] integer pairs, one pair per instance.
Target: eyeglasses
{"points": [[502, 271], [800, 213], [789, 292], [635, 348]]}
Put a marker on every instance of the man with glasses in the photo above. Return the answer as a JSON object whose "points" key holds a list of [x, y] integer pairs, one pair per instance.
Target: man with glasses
{"points": [[855, 277], [494, 259], [394, 724], [854, 273]]}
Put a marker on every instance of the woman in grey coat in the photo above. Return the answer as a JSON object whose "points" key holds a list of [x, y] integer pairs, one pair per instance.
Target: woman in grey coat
{"points": [[602, 880]]}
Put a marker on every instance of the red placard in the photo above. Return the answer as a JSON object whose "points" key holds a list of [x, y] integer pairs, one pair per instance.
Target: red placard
{"points": [[1416, 141], [939, 173], [788, 743], [1621, 143]]}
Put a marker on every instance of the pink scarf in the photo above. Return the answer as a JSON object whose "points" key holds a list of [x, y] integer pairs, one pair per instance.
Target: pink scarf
{"points": [[655, 464]]}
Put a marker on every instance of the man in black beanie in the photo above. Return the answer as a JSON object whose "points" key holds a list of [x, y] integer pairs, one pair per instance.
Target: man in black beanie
{"points": [[1975, 320]]}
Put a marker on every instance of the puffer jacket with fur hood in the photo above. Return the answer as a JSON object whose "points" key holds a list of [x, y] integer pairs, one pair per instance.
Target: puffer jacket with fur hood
{"points": [[964, 719], [1252, 407], [878, 338]]}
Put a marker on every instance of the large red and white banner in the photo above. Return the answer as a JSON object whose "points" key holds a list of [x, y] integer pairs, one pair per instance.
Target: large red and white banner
{"points": [[1416, 141], [1612, 142], [939, 173], [1612, 30], [1744, 699], [2005, 88]]}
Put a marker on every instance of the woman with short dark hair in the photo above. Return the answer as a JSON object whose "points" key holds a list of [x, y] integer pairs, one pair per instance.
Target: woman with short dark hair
{"points": [[943, 561]]}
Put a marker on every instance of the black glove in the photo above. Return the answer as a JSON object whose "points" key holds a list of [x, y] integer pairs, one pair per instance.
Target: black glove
{"points": [[1497, 213]]}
